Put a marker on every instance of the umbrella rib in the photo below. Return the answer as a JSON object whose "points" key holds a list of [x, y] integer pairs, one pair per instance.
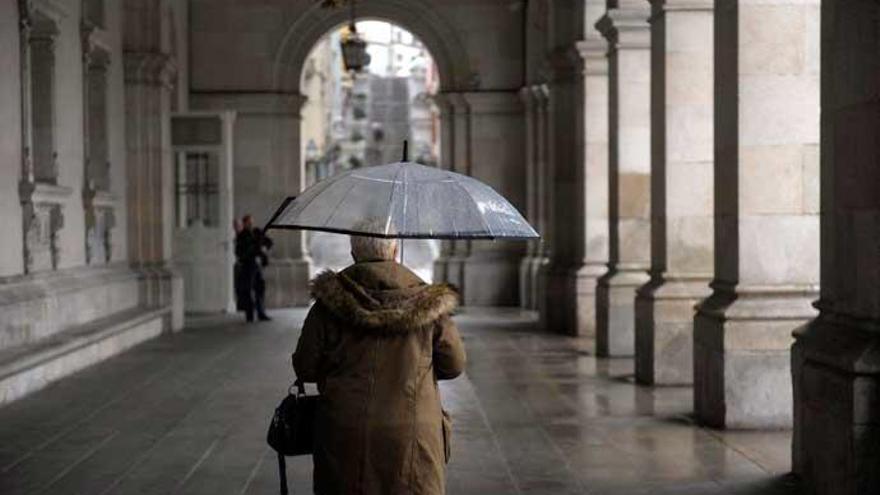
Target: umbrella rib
{"points": [[329, 217], [315, 195], [477, 206], [391, 201]]}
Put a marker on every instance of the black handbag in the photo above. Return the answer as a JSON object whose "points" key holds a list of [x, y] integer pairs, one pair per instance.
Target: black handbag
{"points": [[292, 431]]}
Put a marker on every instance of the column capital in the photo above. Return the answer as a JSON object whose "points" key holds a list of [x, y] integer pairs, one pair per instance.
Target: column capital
{"points": [[455, 100], [593, 51], [626, 27], [488, 102], [565, 64], [541, 94], [37, 11], [443, 104], [149, 68], [95, 47], [525, 95], [660, 6]]}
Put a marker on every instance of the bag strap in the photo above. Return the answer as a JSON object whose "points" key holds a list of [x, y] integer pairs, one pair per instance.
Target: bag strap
{"points": [[282, 473], [300, 387]]}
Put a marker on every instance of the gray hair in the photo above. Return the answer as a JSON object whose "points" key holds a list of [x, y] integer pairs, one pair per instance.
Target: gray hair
{"points": [[365, 248]]}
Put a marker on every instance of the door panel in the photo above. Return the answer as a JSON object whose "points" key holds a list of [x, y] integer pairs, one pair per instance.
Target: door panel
{"points": [[203, 235]]}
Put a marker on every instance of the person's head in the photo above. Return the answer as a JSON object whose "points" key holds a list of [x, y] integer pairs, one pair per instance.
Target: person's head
{"points": [[373, 248], [247, 221]]}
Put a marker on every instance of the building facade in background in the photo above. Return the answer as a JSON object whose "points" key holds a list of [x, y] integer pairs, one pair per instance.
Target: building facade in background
{"points": [[353, 120]]}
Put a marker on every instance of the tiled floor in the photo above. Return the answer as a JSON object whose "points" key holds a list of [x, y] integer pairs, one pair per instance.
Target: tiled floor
{"points": [[535, 413]]}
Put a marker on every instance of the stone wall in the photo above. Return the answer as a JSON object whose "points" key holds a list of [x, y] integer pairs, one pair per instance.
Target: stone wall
{"points": [[11, 256], [77, 283]]}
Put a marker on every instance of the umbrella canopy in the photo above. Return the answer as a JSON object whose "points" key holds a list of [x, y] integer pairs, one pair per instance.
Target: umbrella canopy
{"points": [[406, 201]]}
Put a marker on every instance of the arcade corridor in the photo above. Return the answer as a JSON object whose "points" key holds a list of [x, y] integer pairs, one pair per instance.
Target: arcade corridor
{"points": [[535, 413]]}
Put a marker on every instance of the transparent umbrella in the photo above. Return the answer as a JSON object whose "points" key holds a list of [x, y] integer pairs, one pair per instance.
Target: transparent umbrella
{"points": [[406, 201]]}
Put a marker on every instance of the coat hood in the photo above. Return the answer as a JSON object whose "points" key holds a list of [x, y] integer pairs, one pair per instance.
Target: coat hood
{"points": [[383, 297]]}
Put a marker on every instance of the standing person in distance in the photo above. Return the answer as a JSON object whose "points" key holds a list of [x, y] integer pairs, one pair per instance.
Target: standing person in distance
{"points": [[251, 245]]}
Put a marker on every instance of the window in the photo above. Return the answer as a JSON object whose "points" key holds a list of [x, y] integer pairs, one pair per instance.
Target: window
{"points": [[198, 200], [98, 166], [41, 44]]}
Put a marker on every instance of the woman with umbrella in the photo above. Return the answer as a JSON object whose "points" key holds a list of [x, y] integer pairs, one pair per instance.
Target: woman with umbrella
{"points": [[378, 338]]}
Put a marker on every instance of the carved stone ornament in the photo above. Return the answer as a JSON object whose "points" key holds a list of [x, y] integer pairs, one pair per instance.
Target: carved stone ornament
{"points": [[151, 68], [43, 218], [100, 220]]}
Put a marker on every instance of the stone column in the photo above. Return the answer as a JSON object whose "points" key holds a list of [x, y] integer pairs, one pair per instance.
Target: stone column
{"points": [[148, 161], [288, 273], [526, 275], [456, 139], [766, 211], [544, 246], [681, 190], [447, 162], [565, 275], [629, 143], [149, 74], [487, 132], [593, 50], [836, 360]]}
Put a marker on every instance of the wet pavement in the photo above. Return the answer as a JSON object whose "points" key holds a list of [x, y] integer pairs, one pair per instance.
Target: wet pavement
{"points": [[534, 414]]}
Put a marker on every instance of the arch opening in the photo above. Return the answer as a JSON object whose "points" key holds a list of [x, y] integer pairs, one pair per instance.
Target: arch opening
{"points": [[353, 120]]}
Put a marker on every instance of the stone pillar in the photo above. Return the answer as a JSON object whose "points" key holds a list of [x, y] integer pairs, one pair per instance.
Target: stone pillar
{"points": [[542, 178], [526, 275], [447, 162], [565, 274], [629, 144], [766, 211], [593, 50], [149, 73], [836, 359], [681, 190], [456, 144], [487, 134], [491, 270], [288, 273]]}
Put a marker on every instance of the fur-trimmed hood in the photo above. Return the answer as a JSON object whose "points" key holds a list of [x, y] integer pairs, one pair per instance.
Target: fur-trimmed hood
{"points": [[383, 297]]}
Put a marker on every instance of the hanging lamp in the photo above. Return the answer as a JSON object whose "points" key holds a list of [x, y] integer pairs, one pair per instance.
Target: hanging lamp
{"points": [[354, 48]]}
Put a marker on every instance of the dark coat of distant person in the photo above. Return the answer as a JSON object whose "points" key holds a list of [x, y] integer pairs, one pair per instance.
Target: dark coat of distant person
{"points": [[376, 342]]}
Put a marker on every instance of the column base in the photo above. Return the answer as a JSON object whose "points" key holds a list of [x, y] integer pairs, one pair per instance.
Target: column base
{"points": [[570, 306], [287, 283], [162, 286], [441, 267], [741, 356], [836, 371], [587, 285], [526, 283], [615, 311], [453, 272], [491, 279], [538, 268], [665, 329]]}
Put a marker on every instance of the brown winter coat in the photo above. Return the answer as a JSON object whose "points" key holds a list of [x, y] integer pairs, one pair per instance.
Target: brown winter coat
{"points": [[376, 342]]}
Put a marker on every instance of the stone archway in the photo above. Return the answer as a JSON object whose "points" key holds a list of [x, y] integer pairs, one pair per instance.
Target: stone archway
{"points": [[480, 72], [416, 16]]}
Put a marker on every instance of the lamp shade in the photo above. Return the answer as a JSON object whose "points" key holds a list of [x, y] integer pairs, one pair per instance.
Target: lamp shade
{"points": [[354, 52]]}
